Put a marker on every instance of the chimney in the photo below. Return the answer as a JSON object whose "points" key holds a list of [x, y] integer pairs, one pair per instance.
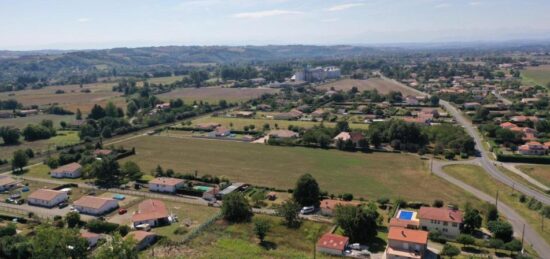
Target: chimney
{"points": [[403, 233]]}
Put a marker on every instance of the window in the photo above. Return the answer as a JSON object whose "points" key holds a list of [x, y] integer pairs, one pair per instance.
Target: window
{"points": [[445, 223], [445, 230], [455, 225]]}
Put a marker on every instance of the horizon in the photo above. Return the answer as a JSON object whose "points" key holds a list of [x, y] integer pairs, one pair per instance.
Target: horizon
{"points": [[65, 25]]}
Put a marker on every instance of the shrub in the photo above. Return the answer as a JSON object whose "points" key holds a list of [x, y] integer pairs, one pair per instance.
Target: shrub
{"points": [[98, 226], [347, 196], [438, 203], [181, 230]]}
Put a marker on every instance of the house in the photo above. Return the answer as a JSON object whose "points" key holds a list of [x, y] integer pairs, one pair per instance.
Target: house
{"points": [[211, 194], [529, 100], [533, 148], [406, 243], [411, 100], [28, 112], [343, 136], [92, 238], [95, 205], [7, 183], [508, 125], [327, 206], [71, 170], [162, 106], [102, 152], [271, 196], [47, 198], [244, 114], [471, 105], [319, 113], [143, 239], [219, 132], [447, 221], [165, 184], [151, 212], [332, 244], [523, 118], [282, 134], [293, 114]]}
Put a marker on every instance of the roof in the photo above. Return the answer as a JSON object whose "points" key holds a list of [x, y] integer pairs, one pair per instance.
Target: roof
{"points": [[67, 168], [150, 210], [166, 181], [283, 133], [104, 152], [356, 136], [88, 235], [333, 241], [396, 222], [92, 202], [344, 136], [6, 181], [139, 235], [408, 235], [442, 214], [45, 194], [331, 204]]}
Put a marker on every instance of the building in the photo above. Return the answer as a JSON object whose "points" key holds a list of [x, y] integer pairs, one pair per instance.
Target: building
{"points": [[72, 170], [6, 114], [508, 125], [471, 105], [151, 212], [403, 223], [317, 74], [406, 243], [95, 205], [92, 238], [327, 206], [143, 239], [162, 106], [219, 132], [411, 100], [231, 188], [282, 134], [533, 148], [447, 221], [102, 152], [165, 184], [47, 198], [332, 244], [28, 112], [7, 183]]}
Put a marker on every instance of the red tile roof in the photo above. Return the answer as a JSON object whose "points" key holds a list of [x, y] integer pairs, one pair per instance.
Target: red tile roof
{"points": [[92, 202], [442, 214], [6, 181], [408, 235], [150, 210], [333, 241], [45, 194], [67, 168], [395, 222], [103, 152], [166, 181]]}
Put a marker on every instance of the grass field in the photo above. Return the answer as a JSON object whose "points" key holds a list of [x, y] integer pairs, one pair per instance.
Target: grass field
{"points": [[476, 177], [21, 122], [239, 123], [382, 85], [163, 80], [63, 138], [73, 98], [540, 173], [215, 94], [536, 75], [365, 175]]}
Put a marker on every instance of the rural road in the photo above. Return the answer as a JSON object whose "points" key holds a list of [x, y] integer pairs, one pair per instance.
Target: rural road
{"points": [[500, 97]]}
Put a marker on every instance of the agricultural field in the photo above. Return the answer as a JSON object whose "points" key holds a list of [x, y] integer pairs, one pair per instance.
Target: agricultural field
{"points": [[382, 85], [540, 173], [73, 98], [215, 94], [21, 122], [40, 146], [536, 75], [365, 175], [163, 80], [239, 123]]}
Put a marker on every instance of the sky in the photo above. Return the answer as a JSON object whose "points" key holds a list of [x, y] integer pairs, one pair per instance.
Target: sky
{"points": [[94, 24]]}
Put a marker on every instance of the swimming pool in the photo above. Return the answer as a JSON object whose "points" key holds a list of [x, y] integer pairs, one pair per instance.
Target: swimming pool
{"points": [[406, 215]]}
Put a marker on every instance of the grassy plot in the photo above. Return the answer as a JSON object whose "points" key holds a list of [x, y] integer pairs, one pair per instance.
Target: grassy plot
{"points": [[536, 75], [40, 146], [477, 178], [540, 173], [364, 175], [21, 122], [215, 94], [383, 86], [239, 123]]}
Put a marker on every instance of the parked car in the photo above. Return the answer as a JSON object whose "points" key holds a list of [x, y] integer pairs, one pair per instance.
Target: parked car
{"points": [[144, 227], [307, 210], [122, 211], [63, 205]]}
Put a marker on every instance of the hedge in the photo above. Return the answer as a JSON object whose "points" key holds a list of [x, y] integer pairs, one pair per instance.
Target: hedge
{"points": [[524, 159]]}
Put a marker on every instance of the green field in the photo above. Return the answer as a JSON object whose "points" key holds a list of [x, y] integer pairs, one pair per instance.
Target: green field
{"points": [[39, 146], [239, 123], [365, 175], [536, 75], [540, 173], [21, 122], [477, 178], [215, 94]]}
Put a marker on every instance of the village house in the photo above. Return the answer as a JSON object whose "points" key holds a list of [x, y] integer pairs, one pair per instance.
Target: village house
{"points": [[95, 205], [72, 170], [327, 206], [219, 132], [447, 221], [162, 106], [92, 238], [411, 100], [282, 134], [165, 184], [355, 137], [7, 183], [244, 114], [293, 114], [508, 125], [6, 114], [406, 243], [102, 152], [332, 244], [533, 148], [523, 118], [143, 238], [471, 105], [28, 112], [151, 212], [47, 198], [529, 100]]}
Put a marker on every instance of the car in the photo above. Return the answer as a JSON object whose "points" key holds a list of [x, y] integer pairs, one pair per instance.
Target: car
{"points": [[122, 211], [63, 205], [144, 227], [307, 210]]}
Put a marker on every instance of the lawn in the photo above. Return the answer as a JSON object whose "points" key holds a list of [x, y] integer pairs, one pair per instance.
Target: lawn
{"points": [[215, 94], [189, 217], [365, 175], [239, 123], [477, 178], [540, 173], [41, 146], [382, 85], [163, 80], [536, 75], [21, 122]]}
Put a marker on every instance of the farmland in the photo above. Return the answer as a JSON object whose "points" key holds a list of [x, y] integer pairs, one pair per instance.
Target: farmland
{"points": [[214, 94], [365, 175], [63, 138], [540, 173], [21, 122], [383, 86], [536, 75]]}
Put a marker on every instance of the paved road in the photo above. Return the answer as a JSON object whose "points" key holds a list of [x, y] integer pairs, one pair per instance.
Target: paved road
{"points": [[502, 98]]}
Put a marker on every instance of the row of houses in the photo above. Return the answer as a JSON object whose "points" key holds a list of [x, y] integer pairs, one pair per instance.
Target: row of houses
{"points": [[91, 205]]}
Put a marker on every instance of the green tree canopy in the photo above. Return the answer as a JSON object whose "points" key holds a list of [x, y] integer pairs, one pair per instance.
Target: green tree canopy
{"points": [[307, 192], [235, 207]]}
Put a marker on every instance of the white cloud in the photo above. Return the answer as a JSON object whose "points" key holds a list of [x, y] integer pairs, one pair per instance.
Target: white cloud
{"points": [[342, 7], [83, 20], [263, 14]]}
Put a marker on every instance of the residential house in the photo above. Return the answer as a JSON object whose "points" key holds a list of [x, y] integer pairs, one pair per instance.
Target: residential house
{"points": [[471, 105], [7, 183], [332, 244], [508, 125], [327, 206], [92, 238], [533, 148], [165, 184], [529, 100], [244, 114], [102, 152], [211, 194], [523, 118], [162, 106], [355, 137], [95, 205], [143, 238], [447, 221], [6, 114], [411, 100], [28, 112], [72, 170], [47, 198], [293, 114], [282, 134], [151, 212], [219, 132], [406, 243]]}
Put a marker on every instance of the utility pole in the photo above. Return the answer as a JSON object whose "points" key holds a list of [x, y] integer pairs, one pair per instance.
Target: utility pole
{"points": [[496, 200], [522, 236]]}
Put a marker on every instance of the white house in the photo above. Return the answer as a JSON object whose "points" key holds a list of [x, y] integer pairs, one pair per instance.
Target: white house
{"points": [[165, 184], [7, 183], [151, 212], [47, 198], [95, 205], [71, 170], [447, 221]]}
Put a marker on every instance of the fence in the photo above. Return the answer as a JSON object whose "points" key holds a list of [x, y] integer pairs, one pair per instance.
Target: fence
{"points": [[195, 232]]}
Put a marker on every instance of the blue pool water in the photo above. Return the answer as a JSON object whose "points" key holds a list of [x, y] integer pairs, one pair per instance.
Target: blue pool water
{"points": [[406, 215]]}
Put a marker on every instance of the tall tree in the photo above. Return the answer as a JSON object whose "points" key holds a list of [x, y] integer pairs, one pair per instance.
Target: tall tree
{"points": [[307, 192], [107, 172], [78, 114], [19, 160], [261, 228], [235, 208], [289, 210], [49, 242], [10, 135], [358, 223], [472, 220], [119, 248]]}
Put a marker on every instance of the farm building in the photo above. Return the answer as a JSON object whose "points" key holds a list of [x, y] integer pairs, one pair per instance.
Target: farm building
{"points": [[151, 212], [47, 198], [332, 244], [165, 184], [95, 205], [406, 243], [71, 170], [143, 239], [7, 183], [231, 188]]}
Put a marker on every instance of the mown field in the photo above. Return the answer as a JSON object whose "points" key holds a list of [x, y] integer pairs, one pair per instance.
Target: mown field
{"points": [[382, 85], [365, 175], [21, 122], [540, 173], [536, 75], [63, 138], [215, 94], [239, 123]]}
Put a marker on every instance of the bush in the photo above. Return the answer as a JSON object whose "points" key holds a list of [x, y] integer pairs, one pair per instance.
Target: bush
{"points": [[438, 203], [98, 226], [450, 250], [235, 208], [181, 231], [435, 235], [347, 196], [123, 230]]}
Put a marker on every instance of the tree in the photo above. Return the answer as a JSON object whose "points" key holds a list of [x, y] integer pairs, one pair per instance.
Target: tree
{"points": [[73, 219], [235, 208], [434, 100], [97, 112], [438, 203], [450, 250], [106, 132], [49, 242], [306, 192], [472, 220], [289, 210], [118, 247], [342, 126], [347, 196], [131, 109], [78, 114], [111, 110], [261, 228], [491, 212], [501, 230], [465, 239], [131, 170], [107, 172], [8, 230], [358, 223], [313, 235], [10, 135], [19, 161], [495, 243]]}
